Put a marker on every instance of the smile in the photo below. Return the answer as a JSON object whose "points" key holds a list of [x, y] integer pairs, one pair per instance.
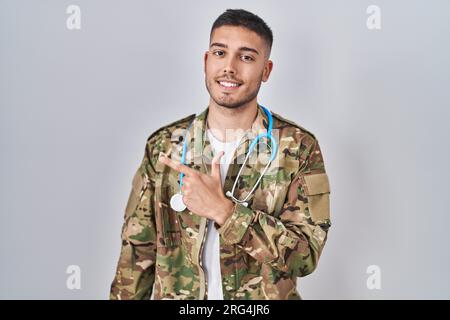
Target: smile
{"points": [[228, 85]]}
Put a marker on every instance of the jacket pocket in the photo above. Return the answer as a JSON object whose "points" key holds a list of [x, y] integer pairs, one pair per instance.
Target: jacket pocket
{"points": [[167, 220], [317, 190]]}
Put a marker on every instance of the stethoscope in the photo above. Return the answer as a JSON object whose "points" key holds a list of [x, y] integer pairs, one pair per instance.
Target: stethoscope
{"points": [[176, 201]]}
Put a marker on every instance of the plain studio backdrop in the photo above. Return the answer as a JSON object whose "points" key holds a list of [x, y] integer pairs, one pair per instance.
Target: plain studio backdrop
{"points": [[77, 107]]}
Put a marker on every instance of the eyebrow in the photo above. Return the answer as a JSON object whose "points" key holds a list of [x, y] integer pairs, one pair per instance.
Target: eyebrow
{"points": [[222, 45]]}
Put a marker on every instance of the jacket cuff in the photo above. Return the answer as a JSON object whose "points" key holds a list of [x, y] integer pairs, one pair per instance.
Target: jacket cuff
{"points": [[234, 228]]}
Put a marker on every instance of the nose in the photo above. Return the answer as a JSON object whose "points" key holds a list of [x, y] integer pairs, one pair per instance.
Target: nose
{"points": [[230, 66]]}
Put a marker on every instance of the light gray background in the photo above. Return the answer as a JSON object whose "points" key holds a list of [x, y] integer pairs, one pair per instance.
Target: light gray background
{"points": [[78, 106]]}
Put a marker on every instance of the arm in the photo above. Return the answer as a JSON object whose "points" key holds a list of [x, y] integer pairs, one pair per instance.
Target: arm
{"points": [[135, 272], [293, 241]]}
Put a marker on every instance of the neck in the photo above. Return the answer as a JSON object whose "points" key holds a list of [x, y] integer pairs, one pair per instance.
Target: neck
{"points": [[229, 124]]}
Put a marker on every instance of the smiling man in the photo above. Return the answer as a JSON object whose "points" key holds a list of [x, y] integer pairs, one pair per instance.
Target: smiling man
{"points": [[239, 230]]}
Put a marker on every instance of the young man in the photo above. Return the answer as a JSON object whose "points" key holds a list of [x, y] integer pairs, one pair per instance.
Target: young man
{"points": [[218, 247]]}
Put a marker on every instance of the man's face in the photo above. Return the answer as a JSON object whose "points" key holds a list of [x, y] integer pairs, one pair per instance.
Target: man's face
{"points": [[235, 65]]}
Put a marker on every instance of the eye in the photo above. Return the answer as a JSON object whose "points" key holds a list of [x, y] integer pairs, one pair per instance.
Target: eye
{"points": [[218, 53], [247, 58]]}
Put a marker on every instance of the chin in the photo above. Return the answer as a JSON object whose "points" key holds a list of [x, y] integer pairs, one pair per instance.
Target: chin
{"points": [[230, 104]]}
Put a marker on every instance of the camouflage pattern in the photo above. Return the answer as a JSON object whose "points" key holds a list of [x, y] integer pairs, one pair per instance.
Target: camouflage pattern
{"points": [[265, 247]]}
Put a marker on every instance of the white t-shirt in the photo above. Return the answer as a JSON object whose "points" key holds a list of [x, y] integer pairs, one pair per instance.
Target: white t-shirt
{"points": [[211, 250]]}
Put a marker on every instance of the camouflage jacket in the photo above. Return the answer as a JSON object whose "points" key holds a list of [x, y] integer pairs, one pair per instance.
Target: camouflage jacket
{"points": [[264, 247]]}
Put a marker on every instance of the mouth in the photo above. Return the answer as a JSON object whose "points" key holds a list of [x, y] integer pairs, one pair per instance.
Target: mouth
{"points": [[228, 85]]}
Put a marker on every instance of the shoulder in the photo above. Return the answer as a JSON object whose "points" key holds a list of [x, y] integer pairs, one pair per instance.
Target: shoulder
{"points": [[168, 129], [289, 128], [161, 139], [292, 135]]}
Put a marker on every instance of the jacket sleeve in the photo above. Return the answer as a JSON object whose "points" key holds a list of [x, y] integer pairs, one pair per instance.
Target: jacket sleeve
{"points": [[135, 273], [293, 241]]}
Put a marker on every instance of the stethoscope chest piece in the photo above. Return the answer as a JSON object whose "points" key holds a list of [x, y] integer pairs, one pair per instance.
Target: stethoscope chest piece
{"points": [[176, 202]]}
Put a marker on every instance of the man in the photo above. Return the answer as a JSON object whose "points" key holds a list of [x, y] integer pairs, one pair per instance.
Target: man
{"points": [[219, 247]]}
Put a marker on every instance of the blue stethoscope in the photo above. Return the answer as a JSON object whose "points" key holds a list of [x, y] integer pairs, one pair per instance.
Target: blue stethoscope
{"points": [[176, 201]]}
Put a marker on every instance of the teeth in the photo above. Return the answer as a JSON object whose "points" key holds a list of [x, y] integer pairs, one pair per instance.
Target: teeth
{"points": [[228, 84]]}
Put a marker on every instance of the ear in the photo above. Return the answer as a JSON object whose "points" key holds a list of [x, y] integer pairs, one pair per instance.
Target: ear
{"points": [[205, 58], [267, 70]]}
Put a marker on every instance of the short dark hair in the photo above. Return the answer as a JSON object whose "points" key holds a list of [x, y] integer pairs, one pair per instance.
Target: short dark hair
{"points": [[246, 19]]}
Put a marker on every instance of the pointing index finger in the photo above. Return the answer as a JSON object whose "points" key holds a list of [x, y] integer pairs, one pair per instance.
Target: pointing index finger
{"points": [[177, 166]]}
